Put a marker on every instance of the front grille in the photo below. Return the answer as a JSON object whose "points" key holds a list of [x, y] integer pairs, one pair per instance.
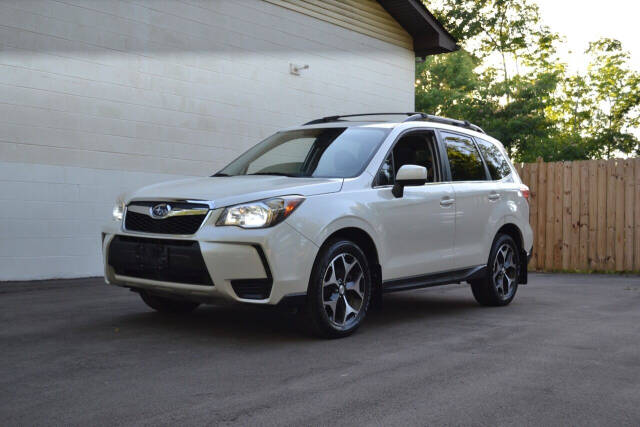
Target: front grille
{"points": [[186, 225], [178, 261], [252, 288]]}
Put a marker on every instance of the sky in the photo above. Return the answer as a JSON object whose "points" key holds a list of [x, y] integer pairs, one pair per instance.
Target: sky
{"points": [[582, 21]]}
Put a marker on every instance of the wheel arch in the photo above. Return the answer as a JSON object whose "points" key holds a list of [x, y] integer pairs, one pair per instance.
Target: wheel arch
{"points": [[514, 232], [359, 237], [364, 240]]}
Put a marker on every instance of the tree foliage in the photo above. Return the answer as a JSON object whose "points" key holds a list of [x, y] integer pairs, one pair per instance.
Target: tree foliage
{"points": [[611, 85], [509, 80]]}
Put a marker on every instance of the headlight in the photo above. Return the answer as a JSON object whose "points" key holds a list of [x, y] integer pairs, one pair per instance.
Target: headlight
{"points": [[260, 214], [118, 210]]}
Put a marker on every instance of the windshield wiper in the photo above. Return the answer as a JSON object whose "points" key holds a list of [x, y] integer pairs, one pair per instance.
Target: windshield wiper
{"points": [[273, 173], [220, 174]]}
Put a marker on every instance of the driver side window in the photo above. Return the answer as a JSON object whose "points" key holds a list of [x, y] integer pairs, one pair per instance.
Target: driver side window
{"points": [[416, 148]]}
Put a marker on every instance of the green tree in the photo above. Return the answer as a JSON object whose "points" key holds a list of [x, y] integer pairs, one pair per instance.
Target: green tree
{"points": [[447, 84], [511, 29], [528, 100], [572, 113], [615, 94], [507, 104]]}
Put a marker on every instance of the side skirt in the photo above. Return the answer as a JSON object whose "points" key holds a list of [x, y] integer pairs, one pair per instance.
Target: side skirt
{"points": [[437, 279]]}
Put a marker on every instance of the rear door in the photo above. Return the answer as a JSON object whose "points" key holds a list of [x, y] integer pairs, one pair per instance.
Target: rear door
{"points": [[476, 199]]}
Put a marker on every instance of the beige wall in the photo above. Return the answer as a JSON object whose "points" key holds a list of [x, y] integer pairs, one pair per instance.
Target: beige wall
{"points": [[363, 16], [97, 96]]}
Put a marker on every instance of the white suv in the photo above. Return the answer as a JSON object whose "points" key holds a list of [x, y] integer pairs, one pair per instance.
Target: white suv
{"points": [[330, 215]]}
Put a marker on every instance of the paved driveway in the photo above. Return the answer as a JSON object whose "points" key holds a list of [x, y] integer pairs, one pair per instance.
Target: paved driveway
{"points": [[567, 351]]}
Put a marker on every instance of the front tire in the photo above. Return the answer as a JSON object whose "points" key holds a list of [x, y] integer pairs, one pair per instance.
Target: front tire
{"points": [[339, 290], [499, 287], [168, 305]]}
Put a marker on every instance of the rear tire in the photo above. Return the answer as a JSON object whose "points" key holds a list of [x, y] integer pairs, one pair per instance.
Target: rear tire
{"points": [[339, 290], [168, 305], [499, 286]]}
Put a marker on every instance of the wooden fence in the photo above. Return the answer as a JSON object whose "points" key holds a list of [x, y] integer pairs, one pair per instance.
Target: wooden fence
{"points": [[585, 215]]}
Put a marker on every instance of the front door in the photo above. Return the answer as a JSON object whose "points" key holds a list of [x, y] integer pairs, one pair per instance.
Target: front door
{"points": [[417, 230]]}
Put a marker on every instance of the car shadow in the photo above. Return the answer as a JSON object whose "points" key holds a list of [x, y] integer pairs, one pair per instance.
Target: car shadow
{"points": [[224, 321], [420, 306], [263, 324]]}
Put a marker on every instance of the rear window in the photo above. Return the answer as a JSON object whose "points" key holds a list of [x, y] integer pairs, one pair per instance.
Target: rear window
{"points": [[496, 162], [464, 160]]}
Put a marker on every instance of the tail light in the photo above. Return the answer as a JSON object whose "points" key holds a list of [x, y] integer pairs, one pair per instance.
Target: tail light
{"points": [[525, 192]]}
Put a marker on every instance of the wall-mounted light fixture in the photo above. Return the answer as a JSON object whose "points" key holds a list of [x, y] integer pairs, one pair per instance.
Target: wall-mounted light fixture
{"points": [[295, 69]]}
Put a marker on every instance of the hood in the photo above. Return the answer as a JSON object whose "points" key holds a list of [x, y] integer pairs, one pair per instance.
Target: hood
{"points": [[231, 190]]}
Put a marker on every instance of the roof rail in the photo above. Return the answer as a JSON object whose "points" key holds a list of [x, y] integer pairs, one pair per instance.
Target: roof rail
{"points": [[330, 119], [444, 120], [411, 117]]}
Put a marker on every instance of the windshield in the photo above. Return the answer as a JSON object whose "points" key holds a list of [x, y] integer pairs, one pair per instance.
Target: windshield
{"points": [[321, 152]]}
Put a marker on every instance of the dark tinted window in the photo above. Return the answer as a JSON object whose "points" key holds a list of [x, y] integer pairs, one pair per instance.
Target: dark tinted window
{"points": [[386, 175], [496, 163], [464, 159], [416, 148]]}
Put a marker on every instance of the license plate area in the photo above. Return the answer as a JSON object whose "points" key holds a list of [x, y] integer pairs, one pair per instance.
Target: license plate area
{"points": [[152, 257], [166, 260]]}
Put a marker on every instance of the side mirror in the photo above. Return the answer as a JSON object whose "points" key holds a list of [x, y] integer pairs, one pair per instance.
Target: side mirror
{"points": [[409, 176]]}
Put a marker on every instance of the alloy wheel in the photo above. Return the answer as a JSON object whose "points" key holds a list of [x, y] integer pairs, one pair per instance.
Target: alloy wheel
{"points": [[343, 290], [505, 271]]}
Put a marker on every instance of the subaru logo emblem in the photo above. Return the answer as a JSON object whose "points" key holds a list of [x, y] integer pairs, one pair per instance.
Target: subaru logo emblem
{"points": [[160, 211]]}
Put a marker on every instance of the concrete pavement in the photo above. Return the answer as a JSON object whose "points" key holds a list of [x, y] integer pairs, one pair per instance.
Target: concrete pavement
{"points": [[567, 351]]}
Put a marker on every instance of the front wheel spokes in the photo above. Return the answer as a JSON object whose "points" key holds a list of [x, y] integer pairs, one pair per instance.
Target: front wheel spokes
{"points": [[355, 285], [348, 310], [330, 289], [330, 278], [332, 305], [497, 271], [342, 288], [349, 266]]}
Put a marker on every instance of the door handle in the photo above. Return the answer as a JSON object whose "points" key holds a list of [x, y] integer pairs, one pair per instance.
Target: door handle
{"points": [[446, 202], [494, 196]]}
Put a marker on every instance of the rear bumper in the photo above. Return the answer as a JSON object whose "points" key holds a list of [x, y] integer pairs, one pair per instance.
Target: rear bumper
{"points": [[252, 266]]}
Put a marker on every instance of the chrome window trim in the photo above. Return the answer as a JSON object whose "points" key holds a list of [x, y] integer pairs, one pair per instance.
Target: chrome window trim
{"points": [[426, 184]]}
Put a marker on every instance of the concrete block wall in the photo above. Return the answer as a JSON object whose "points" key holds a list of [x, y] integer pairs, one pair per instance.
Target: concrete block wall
{"points": [[52, 226], [100, 96]]}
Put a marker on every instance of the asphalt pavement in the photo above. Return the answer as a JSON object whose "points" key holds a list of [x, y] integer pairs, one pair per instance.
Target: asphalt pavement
{"points": [[565, 352]]}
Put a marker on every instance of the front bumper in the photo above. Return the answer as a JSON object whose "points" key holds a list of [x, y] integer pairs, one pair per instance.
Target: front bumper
{"points": [[261, 266]]}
